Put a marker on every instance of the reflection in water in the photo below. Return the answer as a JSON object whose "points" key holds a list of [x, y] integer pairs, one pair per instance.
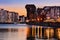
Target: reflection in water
{"points": [[30, 32], [48, 33], [58, 33], [13, 34], [40, 32], [33, 31]]}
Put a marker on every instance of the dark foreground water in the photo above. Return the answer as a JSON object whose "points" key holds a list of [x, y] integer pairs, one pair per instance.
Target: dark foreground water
{"points": [[28, 32]]}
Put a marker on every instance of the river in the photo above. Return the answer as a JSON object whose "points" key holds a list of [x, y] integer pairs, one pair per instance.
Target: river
{"points": [[28, 32]]}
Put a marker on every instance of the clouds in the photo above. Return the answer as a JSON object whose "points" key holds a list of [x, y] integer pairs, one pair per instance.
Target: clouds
{"points": [[24, 2], [19, 5]]}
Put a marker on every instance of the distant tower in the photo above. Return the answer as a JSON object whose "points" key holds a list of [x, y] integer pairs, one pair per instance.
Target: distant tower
{"points": [[31, 11]]}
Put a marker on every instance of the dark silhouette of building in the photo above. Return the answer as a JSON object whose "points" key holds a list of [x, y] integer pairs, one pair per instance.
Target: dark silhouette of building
{"points": [[39, 10], [41, 14], [31, 11]]}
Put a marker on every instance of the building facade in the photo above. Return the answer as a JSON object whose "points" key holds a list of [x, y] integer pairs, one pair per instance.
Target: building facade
{"points": [[54, 11], [41, 14], [31, 11], [13, 17], [8, 17], [3, 15]]}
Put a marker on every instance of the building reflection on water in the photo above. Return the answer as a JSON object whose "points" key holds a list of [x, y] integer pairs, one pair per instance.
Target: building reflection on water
{"points": [[48, 33], [30, 33], [13, 33]]}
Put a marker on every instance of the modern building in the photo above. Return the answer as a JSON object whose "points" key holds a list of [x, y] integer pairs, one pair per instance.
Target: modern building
{"points": [[21, 18], [53, 11], [34, 14], [3, 15], [13, 17], [8, 17], [41, 14], [31, 11]]}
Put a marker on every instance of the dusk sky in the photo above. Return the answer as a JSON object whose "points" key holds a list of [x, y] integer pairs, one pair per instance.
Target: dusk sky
{"points": [[19, 5]]}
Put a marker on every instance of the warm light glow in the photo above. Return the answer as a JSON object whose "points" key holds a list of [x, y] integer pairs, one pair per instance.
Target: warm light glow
{"points": [[58, 33], [48, 17], [28, 31], [22, 32], [38, 19], [40, 31], [27, 20], [49, 32], [33, 31], [58, 20]]}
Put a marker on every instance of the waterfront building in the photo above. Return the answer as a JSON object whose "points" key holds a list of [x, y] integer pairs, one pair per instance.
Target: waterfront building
{"points": [[54, 11], [41, 14], [8, 17], [47, 11], [21, 18], [13, 17], [31, 11], [3, 15], [39, 10]]}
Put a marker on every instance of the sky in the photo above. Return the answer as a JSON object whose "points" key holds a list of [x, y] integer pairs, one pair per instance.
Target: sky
{"points": [[19, 5]]}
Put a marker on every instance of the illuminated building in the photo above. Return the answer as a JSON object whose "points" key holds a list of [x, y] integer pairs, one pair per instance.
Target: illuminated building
{"points": [[54, 11], [39, 18], [41, 14]]}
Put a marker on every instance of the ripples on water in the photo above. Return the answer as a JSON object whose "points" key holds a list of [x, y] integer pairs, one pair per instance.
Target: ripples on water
{"points": [[13, 32], [28, 32]]}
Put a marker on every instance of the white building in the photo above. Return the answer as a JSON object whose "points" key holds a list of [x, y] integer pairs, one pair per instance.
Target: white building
{"points": [[3, 15], [54, 11], [6, 16], [13, 17]]}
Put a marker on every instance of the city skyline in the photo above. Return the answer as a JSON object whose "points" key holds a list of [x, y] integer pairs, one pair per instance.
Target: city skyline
{"points": [[19, 5]]}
